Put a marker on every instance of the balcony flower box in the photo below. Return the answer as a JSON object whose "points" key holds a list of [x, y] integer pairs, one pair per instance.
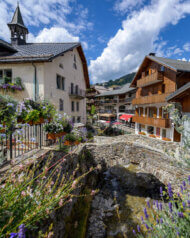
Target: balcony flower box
{"points": [[142, 133], [152, 136], [166, 139]]}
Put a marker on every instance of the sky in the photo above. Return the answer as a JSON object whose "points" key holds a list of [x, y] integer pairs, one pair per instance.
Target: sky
{"points": [[115, 34]]}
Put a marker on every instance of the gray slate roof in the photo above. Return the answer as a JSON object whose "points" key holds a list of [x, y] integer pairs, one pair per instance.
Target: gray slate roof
{"points": [[179, 91], [37, 52], [6, 45], [177, 65], [126, 88]]}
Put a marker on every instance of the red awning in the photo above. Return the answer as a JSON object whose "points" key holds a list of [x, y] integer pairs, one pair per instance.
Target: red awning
{"points": [[125, 117]]}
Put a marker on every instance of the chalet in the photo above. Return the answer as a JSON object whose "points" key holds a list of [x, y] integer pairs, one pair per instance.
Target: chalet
{"points": [[155, 80], [182, 96], [54, 71], [90, 96], [116, 104]]}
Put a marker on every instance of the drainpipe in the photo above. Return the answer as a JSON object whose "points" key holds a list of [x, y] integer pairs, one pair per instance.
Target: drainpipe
{"points": [[35, 82]]}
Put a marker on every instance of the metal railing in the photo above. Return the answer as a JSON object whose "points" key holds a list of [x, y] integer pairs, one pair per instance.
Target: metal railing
{"points": [[32, 137], [77, 92]]}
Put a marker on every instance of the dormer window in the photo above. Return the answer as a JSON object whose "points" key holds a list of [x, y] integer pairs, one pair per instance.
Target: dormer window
{"points": [[61, 66], [75, 62]]}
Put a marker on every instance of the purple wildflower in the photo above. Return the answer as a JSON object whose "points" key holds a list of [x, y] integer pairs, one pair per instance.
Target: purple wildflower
{"points": [[188, 201], [21, 233], [178, 195], [184, 184], [134, 232], [138, 228], [148, 204], [161, 220], [157, 205], [170, 192], [180, 214], [178, 233], [170, 207], [184, 204], [142, 219], [189, 179], [181, 187], [157, 220], [145, 213], [147, 227], [13, 235], [161, 191]]}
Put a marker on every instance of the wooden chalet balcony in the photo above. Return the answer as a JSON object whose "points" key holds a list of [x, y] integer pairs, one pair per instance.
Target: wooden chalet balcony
{"points": [[156, 77], [157, 98], [158, 122]]}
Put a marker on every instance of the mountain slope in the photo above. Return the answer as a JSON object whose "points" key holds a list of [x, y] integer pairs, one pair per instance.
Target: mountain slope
{"points": [[120, 81]]}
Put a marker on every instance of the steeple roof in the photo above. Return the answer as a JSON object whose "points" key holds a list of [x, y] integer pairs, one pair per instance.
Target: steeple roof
{"points": [[17, 18]]}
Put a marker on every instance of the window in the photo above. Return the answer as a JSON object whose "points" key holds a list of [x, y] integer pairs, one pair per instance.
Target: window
{"points": [[72, 88], [77, 106], [78, 119], [163, 88], [72, 106], [77, 89], [75, 62], [61, 66], [163, 133], [150, 130], [6, 75], [73, 119], [61, 107], [60, 82]]}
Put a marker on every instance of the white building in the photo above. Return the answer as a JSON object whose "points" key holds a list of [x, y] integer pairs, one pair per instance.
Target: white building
{"points": [[54, 71]]}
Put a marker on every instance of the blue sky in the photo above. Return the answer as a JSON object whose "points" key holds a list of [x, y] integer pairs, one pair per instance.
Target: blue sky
{"points": [[115, 34]]}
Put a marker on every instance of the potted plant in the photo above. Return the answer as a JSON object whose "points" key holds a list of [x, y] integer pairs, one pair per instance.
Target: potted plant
{"points": [[71, 139], [57, 128]]}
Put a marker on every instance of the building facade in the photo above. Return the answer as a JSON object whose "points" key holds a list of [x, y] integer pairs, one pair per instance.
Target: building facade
{"points": [[53, 71], [155, 80], [182, 96], [113, 104], [91, 93]]}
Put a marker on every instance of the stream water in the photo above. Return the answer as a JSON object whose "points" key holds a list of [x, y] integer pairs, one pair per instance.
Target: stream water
{"points": [[129, 190]]}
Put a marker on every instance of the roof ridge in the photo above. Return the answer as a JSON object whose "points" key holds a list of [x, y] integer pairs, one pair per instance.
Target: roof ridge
{"points": [[53, 43]]}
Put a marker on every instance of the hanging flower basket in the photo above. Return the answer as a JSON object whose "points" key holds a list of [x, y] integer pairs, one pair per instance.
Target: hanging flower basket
{"points": [[53, 136]]}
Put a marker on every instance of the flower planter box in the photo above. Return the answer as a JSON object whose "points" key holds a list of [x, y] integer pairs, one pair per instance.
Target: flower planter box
{"points": [[53, 136], [40, 121], [2, 130], [166, 139], [152, 136]]}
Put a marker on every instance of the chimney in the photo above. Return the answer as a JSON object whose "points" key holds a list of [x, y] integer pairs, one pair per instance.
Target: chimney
{"points": [[152, 54]]}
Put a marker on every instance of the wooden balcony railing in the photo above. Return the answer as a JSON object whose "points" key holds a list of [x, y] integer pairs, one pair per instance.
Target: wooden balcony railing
{"points": [[150, 79], [157, 98], [158, 122]]}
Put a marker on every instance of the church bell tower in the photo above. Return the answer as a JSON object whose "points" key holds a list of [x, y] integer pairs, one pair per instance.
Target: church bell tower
{"points": [[17, 28]]}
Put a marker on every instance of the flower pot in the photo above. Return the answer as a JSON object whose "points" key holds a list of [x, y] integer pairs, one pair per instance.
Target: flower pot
{"points": [[2, 130], [53, 136]]}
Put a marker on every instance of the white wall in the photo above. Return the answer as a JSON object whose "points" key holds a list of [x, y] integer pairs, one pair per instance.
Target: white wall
{"points": [[46, 76], [26, 73], [71, 75]]}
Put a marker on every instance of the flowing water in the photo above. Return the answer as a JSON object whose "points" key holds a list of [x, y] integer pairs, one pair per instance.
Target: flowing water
{"points": [[130, 191]]}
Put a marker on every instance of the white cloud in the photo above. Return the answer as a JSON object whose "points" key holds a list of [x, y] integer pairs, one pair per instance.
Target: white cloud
{"points": [[53, 34], [123, 6], [138, 36], [52, 15], [186, 47]]}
